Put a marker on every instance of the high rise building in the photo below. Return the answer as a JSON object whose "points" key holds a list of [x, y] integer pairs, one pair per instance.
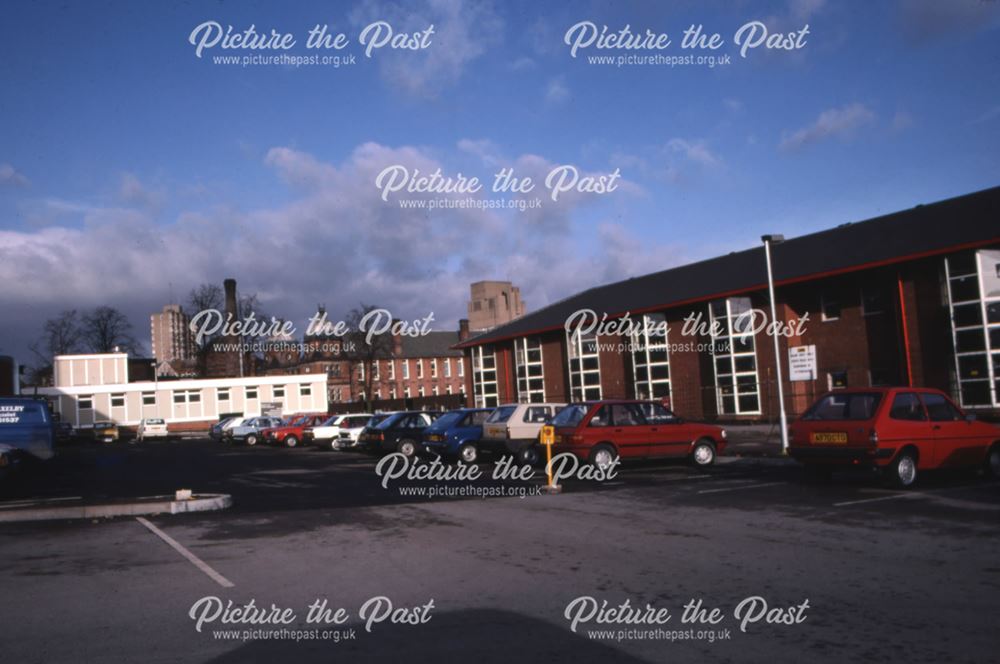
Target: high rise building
{"points": [[171, 335], [493, 303]]}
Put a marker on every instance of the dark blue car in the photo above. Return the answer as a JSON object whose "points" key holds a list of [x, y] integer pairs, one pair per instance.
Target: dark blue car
{"points": [[456, 434]]}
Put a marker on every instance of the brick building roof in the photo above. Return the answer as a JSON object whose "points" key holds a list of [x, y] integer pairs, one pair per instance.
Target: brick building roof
{"points": [[433, 344], [937, 228]]}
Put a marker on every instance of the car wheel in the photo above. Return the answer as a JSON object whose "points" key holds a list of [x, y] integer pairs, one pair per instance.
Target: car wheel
{"points": [[251, 440], [291, 441], [902, 472], [703, 454], [407, 448], [602, 456], [468, 453], [993, 462], [817, 472], [529, 456], [333, 443]]}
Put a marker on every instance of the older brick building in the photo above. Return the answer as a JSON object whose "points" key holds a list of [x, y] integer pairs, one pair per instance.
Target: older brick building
{"points": [[908, 298]]}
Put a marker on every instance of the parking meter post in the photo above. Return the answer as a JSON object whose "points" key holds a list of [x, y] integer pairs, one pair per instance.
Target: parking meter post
{"points": [[548, 438]]}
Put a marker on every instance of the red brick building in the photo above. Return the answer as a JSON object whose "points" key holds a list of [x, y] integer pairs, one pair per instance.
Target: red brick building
{"points": [[908, 298]]}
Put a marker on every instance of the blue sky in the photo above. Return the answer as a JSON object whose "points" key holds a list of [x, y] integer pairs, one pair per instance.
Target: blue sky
{"points": [[131, 170]]}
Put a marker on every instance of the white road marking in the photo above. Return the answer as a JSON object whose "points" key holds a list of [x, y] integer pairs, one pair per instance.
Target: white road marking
{"points": [[873, 500], [193, 559], [902, 494], [741, 487]]}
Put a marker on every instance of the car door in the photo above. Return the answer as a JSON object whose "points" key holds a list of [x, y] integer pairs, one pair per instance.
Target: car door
{"points": [[955, 443], [631, 433], [906, 422], [671, 436]]}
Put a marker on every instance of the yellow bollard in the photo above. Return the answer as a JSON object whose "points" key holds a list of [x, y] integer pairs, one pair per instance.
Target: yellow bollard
{"points": [[548, 439]]}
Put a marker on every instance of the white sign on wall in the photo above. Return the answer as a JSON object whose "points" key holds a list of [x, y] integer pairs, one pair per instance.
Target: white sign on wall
{"points": [[802, 363]]}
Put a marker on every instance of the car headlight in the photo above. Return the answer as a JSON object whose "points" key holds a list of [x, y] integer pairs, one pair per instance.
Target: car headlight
{"points": [[723, 434]]}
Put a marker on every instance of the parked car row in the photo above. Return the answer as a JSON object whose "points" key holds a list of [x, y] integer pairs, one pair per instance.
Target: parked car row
{"points": [[597, 432], [900, 431]]}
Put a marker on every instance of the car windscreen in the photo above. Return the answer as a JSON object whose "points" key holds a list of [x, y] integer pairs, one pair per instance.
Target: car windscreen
{"points": [[501, 414], [154, 422], [853, 406], [448, 420], [570, 416], [390, 421]]}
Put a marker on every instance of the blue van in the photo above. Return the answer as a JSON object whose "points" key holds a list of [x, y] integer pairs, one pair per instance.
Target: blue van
{"points": [[27, 427], [457, 434]]}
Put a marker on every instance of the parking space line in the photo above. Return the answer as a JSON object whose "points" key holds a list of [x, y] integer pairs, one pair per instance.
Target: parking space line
{"points": [[907, 494], [741, 487], [193, 559]]}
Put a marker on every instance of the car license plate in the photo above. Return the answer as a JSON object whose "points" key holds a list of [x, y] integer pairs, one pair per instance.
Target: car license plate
{"points": [[836, 438]]}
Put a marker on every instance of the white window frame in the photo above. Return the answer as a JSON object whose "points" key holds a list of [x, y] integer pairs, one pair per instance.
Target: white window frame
{"points": [[647, 343], [584, 381], [990, 352], [529, 369], [722, 339], [484, 377]]}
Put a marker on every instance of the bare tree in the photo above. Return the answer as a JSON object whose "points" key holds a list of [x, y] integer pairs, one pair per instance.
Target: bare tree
{"points": [[60, 336], [105, 329], [211, 296], [205, 296], [360, 352]]}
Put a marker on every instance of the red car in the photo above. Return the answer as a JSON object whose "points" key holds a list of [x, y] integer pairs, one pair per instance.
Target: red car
{"points": [[900, 430], [597, 431], [290, 435]]}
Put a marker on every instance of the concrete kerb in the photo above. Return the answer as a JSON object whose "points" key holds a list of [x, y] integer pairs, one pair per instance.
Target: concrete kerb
{"points": [[143, 506]]}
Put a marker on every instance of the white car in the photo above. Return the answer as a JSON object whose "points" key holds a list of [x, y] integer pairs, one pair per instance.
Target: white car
{"points": [[152, 427], [349, 435], [327, 434], [514, 428]]}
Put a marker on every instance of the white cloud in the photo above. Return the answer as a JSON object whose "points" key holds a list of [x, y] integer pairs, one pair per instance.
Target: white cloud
{"points": [[336, 242], [834, 122], [9, 176], [989, 115], [926, 20], [556, 91], [133, 192], [463, 31], [696, 151], [487, 151], [522, 64]]}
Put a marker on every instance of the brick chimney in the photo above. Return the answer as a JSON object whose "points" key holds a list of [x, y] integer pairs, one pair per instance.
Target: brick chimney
{"points": [[463, 329], [230, 286]]}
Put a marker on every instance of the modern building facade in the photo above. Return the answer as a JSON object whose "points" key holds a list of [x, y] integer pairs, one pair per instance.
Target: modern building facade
{"points": [[910, 298], [171, 335], [493, 303], [93, 388]]}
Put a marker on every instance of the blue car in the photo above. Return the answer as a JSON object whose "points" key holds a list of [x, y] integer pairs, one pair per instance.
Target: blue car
{"points": [[456, 434]]}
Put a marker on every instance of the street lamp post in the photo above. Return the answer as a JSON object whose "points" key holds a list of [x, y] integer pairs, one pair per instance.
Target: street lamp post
{"points": [[768, 240]]}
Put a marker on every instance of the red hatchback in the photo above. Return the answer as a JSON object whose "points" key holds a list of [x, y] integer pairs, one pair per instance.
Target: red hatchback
{"points": [[898, 429], [598, 431], [291, 434]]}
